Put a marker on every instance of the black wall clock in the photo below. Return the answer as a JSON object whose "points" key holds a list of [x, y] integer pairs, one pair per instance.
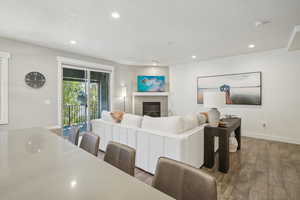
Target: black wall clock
{"points": [[35, 79]]}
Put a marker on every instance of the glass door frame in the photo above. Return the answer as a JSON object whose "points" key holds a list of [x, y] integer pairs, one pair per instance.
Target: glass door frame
{"points": [[86, 91], [87, 67]]}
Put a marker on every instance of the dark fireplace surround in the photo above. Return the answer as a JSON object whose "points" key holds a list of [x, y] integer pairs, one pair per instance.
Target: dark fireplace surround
{"points": [[151, 109]]}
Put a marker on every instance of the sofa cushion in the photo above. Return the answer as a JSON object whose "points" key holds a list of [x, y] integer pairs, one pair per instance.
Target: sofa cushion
{"points": [[190, 122], [132, 120], [106, 116], [202, 118], [117, 116], [168, 125]]}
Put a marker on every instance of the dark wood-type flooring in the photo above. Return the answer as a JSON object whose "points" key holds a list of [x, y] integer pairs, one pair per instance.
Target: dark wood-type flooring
{"points": [[261, 170]]}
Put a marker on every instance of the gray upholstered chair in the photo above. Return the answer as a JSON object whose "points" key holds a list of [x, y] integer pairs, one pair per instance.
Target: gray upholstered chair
{"points": [[90, 143], [74, 135], [121, 156], [183, 182]]}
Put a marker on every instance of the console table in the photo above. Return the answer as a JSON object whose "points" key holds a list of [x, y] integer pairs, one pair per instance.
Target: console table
{"points": [[234, 124]]}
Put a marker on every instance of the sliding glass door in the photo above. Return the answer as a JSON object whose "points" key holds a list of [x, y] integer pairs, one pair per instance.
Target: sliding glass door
{"points": [[98, 93], [85, 96]]}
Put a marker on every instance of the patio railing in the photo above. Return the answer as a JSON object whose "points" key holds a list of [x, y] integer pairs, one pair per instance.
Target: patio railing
{"points": [[77, 114]]}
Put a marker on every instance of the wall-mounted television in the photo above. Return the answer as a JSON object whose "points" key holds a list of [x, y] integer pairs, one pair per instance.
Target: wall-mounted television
{"points": [[151, 83]]}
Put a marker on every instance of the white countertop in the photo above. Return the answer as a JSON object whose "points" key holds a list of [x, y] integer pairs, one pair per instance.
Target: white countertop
{"points": [[35, 164]]}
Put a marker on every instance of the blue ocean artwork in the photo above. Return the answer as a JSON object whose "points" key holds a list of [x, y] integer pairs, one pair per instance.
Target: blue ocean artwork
{"points": [[151, 83]]}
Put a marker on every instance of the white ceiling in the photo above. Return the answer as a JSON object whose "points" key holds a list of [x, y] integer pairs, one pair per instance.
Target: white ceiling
{"points": [[170, 31]]}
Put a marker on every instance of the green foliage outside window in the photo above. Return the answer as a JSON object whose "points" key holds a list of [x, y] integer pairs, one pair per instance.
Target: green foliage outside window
{"points": [[74, 101]]}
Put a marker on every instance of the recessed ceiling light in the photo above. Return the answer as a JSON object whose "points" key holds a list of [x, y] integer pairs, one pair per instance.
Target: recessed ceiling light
{"points": [[251, 46], [73, 42], [194, 57], [154, 63], [73, 183], [258, 24], [115, 15]]}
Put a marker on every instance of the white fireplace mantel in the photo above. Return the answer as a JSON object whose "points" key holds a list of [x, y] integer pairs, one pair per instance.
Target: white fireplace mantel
{"points": [[146, 94]]}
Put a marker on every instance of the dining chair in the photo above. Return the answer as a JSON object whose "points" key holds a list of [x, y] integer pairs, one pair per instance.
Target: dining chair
{"points": [[183, 182], [90, 143], [74, 135], [120, 156]]}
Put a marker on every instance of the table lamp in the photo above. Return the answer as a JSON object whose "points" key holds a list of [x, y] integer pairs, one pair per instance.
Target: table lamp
{"points": [[214, 100]]}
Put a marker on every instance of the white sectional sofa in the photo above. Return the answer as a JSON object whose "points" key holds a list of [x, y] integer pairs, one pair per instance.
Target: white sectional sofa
{"points": [[150, 144]]}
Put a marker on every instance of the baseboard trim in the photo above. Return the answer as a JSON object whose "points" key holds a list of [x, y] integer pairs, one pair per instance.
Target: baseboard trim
{"points": [[272, 138]]}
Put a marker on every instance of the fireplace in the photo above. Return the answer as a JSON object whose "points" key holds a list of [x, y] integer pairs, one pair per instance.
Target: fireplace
{"points": [[151, 109]]}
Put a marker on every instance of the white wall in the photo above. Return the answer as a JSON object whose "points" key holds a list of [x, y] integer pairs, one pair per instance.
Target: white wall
{"points": [[126, 76], [27, 106], [131, 82], [280, 108]]}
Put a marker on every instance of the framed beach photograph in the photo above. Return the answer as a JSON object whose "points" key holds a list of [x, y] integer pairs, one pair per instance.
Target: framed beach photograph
{"points": [[240, 89]]}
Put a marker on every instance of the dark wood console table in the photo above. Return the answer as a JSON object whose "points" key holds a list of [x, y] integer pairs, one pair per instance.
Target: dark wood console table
{"points": [[234, 124]]}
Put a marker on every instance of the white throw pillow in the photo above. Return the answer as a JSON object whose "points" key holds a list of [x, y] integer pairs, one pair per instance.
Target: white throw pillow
{"points": [[132, 120], [190, 122], [168, 125], [106, 116]]}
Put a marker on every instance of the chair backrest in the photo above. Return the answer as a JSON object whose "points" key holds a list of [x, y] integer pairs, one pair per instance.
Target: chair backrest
{"points": [[74, 135], [121, 156], [90, 143], [183, 182]]}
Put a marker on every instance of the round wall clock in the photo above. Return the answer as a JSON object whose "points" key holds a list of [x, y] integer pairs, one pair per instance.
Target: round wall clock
{"points": [[35, 79]]}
